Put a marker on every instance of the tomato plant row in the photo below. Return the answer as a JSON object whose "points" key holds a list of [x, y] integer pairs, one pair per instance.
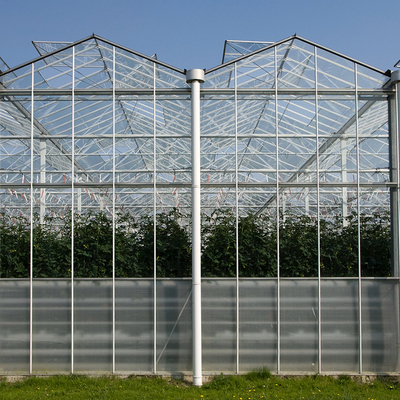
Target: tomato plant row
{"points": [[92, 235]]}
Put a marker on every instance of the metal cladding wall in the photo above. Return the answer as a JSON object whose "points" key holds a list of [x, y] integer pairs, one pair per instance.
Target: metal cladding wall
{"points": [[98, 143]]}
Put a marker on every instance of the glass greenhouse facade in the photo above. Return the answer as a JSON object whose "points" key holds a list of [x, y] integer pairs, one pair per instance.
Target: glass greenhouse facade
{"points": [[296, 171]]}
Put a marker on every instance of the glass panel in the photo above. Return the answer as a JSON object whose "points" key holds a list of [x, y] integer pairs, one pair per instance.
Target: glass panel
{"points": [[257, 71], [14, 321], [134, 116], [168, 78], [92, 117], [380, 325], [134, 326], [374, 160], [19, 79], [219, 239], [257, 324], [92, 65], [15, 147], [236, 48], [339, 248], [134, 160], [219, 325], [299, 325], [174, 258], [173, 156], [218, 116], [256, 116], [218, 159], [52, 233], [173, 116], [54, 71], [132, 71], [15, 234], [375, 232], [334, 71], [93, 239], [257, 245], [336, 114], [257, 154], [93, 325], [132, 242], [93, 140], [220, 78], [295, 63], [298, 232], [340, 333], [51, 326], [54, 115], [368, 78], [174, 330]]}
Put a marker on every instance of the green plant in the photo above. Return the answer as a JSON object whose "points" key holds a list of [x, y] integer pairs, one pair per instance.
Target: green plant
{"points": [[92, 236]]}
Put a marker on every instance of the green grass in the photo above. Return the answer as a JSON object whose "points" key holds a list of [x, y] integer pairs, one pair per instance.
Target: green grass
{"points": [[256, 385]]}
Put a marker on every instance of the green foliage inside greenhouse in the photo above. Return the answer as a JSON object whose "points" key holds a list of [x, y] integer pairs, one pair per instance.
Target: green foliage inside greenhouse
{"points": [[92, 235]]}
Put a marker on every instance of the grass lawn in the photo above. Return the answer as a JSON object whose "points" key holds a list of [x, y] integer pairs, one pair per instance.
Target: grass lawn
{"points": [[255, 385]]}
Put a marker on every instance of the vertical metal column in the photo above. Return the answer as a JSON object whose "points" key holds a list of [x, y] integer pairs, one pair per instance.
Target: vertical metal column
{"points": [[318, 212], [31, 231], [42, 200], [154, 226], [72, 209], [343, 152], [278, 271], [394, 148], [113, 215], [394, 160], [195, 77], [237, 226], [358, 222]]}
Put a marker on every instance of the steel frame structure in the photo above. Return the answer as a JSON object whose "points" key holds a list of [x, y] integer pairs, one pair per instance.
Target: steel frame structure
{"points": [[289, 126]]}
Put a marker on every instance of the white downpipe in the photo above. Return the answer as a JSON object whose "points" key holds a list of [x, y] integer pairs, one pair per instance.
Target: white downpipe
{"points": [[195, 77]]}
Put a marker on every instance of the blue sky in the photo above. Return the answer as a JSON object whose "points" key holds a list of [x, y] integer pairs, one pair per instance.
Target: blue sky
{"points": [[191, 34]]}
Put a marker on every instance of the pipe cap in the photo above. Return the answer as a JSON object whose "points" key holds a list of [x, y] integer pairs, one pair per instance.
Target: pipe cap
{"points": [[195, 75]]}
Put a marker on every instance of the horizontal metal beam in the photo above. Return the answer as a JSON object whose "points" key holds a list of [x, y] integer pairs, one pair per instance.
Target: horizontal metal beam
{"points": [[203, 91], [372, 185]]}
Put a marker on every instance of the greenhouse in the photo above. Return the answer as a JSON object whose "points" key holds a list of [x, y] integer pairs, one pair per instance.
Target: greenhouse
{"points": [[156, 220]]}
